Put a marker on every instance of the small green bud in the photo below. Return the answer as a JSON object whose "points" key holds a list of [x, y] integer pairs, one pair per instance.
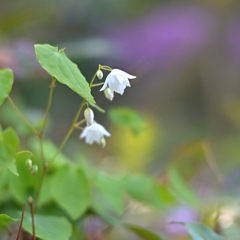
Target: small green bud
{"points": [[29, 164], [89, 116], [99, 74], [34, 169]]}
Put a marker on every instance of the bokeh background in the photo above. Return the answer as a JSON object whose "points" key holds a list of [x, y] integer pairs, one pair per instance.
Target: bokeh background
{"points": [[186, 56]]}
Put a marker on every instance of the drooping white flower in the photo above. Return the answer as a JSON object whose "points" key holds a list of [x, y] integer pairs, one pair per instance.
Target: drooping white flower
{"points": [[89, 116], [117, 80], [94, 133], [109, 94]]}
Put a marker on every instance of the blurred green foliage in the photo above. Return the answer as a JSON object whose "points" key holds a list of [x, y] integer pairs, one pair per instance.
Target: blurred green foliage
{"points": [[157, 156]]}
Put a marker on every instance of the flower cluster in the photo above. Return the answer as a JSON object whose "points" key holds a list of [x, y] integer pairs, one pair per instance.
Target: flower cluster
{"points": [[116, 81], [93, 132]]}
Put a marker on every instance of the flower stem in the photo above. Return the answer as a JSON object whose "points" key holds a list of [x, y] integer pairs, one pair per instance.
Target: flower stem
{"points": [[21, 222], [91, 83], [97, 84], [48, 105], [40, 136], [69, 133], [105, 68], [79, 123], [22, 116], [30, 201]]}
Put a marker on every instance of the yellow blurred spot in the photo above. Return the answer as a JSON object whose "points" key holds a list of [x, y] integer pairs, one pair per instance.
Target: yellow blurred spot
{"points": [[135, 150]]}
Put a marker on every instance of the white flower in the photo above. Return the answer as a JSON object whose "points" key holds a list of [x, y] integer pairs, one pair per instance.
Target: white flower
{"points": [[109, 94], [94, 133], [117, 80], [89, 116]]}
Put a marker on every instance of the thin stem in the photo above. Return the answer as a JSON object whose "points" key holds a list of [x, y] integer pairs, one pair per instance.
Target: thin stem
{"points": [[91, 83], [69, 133], [48, 105], [42, 151], [79, 123], [44, 164], [22, 116], [105, 68], [97, 84], [21, 222], [30, 201], [40, 184]]}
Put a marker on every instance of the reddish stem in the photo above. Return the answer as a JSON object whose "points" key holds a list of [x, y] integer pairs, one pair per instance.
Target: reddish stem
{"points": [[21, 222]]}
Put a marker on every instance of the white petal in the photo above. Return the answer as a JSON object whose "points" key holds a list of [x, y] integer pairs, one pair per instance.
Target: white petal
{"points": [[118, 88], [104, 86], [103, 130], [127, 82], [127, 75], [84, 133], [94, 133]]}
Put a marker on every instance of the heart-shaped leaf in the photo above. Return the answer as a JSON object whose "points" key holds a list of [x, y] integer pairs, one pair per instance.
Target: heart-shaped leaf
{"points": [[59, 66]]}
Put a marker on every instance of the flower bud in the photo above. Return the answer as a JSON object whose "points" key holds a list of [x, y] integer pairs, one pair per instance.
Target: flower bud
{"points": [[99, 74], [29, 164], [109, 94], [30, 200], [89, 116], [34, 169], [103, 142]]}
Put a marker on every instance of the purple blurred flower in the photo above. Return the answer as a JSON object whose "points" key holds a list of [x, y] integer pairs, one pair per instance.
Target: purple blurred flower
{"points": [[180, 214], [20, 57], [170, 35]]}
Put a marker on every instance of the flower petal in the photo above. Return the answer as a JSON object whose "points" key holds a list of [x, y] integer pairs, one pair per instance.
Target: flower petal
{"points": [[94, 133], [118, 88], [126, 75], [104, 86]]}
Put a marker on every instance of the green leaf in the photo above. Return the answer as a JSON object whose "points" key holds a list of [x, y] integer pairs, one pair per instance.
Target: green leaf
{"points": [[107, 198], [143, 233], [49, 150], [199, 231], [59, 66], [181, 189], [5, 220], [71, 190], [46, 192], [24, 185], [9, 143], [48, 227], [146, 190], [128, 118], [6, 82]]}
